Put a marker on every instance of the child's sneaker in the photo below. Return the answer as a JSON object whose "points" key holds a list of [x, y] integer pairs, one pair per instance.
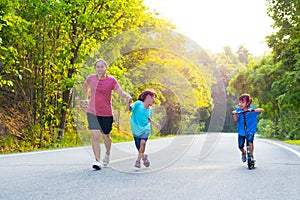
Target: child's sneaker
{"points": [[106, 160], [244, 157], [137, 164], [96, 165], [146, 161]]}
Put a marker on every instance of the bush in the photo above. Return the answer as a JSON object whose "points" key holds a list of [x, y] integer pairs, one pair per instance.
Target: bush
{"points": [[265, 128]]}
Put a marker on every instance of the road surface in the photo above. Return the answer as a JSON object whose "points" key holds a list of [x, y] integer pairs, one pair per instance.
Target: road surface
{"points": [[187, 167]]}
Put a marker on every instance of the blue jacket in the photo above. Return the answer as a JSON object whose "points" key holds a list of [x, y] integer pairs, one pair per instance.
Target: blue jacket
{"points": [[251, 121]]}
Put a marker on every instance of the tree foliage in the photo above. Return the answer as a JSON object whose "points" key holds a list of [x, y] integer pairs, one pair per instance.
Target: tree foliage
{"points": [[274, 81], [42, 46]]}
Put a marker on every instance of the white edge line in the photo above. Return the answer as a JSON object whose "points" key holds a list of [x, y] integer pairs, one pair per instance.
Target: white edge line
{"points": [[285, 147], [41, 152], [54, 150]]}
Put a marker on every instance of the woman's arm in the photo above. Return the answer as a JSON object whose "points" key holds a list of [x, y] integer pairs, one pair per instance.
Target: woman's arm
{"points": [[128, 108], [123, 94], [85, 92]]}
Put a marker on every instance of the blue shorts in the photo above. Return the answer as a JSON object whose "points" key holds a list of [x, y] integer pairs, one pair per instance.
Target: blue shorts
{"points": [[242, 139], [137, 139]]}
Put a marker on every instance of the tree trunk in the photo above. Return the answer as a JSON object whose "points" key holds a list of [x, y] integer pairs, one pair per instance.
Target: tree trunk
{"points": [[66, 104], [67, 93], [43, 87]]}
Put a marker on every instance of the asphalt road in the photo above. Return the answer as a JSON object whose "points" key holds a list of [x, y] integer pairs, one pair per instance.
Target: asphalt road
{"points": [[188, 167]]}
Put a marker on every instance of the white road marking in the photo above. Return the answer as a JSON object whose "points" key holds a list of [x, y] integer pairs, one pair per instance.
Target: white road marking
{"points": [[40, 152], [285, 147]]}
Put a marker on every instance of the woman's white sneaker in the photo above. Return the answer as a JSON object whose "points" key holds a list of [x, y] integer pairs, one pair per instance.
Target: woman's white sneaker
{"points": [[96, 165], [106, 160]]}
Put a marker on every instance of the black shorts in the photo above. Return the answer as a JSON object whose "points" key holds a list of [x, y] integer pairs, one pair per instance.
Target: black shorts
{"points": [[103, 124]]}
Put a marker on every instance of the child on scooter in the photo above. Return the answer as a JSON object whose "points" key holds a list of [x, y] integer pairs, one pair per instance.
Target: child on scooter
{"points": [[251, 122]]}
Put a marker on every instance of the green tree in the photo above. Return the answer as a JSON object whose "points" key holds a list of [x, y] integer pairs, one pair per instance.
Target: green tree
{"points": [[44, 43], [243, 54], [285, 44], [182, 91], [274, 80], [228, 65]]}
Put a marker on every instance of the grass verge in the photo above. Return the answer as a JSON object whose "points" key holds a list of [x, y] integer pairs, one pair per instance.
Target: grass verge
{"points": [[296, 142]]}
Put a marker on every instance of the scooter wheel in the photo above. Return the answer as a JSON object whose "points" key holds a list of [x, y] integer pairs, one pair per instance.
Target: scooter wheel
{"points": [[252, 164], [249, 166]]}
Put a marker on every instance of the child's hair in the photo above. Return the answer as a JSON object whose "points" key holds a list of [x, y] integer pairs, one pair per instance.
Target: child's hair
{"points": [[143, 96], [246, 97], [103, 61]]}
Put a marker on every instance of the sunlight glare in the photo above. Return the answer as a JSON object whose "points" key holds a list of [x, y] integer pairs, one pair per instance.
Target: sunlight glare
{"points": [[215, 24]]}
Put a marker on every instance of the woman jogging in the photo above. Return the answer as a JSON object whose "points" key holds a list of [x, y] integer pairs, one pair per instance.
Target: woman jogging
{"points": [[251, 121], [99, 111], [140, 123]]}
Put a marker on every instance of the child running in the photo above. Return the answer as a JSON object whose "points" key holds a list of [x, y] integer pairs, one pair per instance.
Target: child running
{"points": [[251, 120], [140, 123]]}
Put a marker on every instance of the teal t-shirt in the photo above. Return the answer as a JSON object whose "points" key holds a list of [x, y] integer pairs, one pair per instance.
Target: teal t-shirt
{"points": [[139, 119]]}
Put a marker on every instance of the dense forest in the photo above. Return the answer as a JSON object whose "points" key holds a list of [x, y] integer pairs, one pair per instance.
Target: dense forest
{"points": [[47, 49]]}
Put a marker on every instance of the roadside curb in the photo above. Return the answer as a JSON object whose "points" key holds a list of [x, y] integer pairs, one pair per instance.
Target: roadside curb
{"points": [[292, 148]]}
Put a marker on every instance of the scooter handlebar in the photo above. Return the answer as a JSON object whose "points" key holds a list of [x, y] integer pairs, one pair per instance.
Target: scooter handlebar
{"points": [[244, 111]]}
